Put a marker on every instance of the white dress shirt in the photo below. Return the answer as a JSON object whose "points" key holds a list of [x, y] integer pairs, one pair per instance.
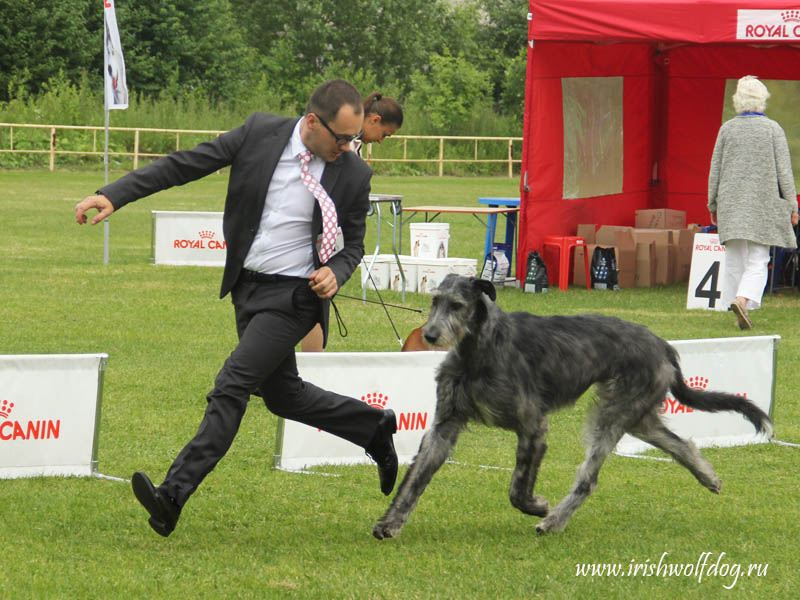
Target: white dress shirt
{"points": [[283, 244]]}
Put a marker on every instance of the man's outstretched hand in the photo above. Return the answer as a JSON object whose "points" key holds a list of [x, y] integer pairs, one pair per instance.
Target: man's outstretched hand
{"points": [[101, 203]]}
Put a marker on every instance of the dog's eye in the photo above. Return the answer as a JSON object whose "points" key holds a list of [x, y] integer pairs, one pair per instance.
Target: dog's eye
{"points": [[456, 305]]}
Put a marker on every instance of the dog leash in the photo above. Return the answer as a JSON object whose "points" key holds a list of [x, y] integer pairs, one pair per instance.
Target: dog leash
{"points": [[339, 320], [416, 310]]}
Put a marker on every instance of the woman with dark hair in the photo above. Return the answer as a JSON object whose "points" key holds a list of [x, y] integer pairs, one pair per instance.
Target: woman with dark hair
{"points": [[383, 116]]}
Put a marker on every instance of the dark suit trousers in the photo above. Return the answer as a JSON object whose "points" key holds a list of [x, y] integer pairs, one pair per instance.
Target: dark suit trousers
{"points": [[271, 318]]}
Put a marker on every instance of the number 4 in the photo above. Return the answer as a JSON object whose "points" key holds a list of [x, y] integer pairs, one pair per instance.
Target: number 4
{"points": [[712, 293]]}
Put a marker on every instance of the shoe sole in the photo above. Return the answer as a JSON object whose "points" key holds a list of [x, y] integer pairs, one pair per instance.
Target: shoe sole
{"points": [[145, 491], [741, 316]]}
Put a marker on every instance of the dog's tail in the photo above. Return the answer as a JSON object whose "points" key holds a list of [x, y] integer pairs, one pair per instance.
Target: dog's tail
{"points": [[711, 401]]}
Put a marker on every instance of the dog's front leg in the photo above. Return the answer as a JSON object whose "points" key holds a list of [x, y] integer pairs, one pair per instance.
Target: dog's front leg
{"points": [[433, 451], [530, 450]]}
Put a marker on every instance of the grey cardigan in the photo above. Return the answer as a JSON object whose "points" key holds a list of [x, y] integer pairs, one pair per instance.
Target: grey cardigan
{"points": [[750, 183]]}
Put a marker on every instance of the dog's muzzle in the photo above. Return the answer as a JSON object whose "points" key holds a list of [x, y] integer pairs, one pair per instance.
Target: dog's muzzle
{"points": [[431, 335]]}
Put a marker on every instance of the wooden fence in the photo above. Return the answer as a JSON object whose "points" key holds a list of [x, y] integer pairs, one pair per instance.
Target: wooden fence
{"points": [[54, 149]]}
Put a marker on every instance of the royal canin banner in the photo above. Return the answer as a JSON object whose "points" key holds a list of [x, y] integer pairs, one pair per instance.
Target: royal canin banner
{"points": [[401, 381], [694, 21], [743, 366], [49, 414], [769, 25], [404, 382], [188, 238]]}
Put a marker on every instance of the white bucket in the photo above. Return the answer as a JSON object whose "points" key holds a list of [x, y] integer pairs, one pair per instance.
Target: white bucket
{"points": [[409, 270], [468, 267], [429, 240], [379, 272], [431, 272]]}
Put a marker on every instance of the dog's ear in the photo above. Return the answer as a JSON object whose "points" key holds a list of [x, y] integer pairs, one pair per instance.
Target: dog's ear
{"points": [[485, 286]]}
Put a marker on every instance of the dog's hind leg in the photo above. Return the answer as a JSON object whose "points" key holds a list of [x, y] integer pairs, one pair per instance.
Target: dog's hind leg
{"points": [[433, 451], [653, 431], [603, 440], [530, 451]]}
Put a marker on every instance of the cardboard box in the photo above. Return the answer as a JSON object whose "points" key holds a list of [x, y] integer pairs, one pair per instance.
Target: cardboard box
{"points": [[645, 263], [626, 257], [660, 218], [683, 239], [645, 257], [672, 253], [587, 232], [664, 253]]}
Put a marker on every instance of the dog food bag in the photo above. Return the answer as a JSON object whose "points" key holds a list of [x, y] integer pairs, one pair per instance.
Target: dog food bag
{"points": [[535, 274], [604, 269], [495, 268]]}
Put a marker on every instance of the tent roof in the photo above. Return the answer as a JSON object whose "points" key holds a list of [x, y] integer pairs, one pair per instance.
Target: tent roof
{"points": [[693, 21]]}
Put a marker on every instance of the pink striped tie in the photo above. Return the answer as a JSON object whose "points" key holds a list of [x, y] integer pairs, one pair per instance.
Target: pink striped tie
{"points": [[326, 206]]}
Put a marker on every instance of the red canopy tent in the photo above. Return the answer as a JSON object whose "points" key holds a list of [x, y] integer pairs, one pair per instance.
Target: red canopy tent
{"points": [[624, 99]]}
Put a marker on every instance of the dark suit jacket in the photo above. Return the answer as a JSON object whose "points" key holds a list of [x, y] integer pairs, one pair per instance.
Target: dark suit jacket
{"points": [[252, 152]]}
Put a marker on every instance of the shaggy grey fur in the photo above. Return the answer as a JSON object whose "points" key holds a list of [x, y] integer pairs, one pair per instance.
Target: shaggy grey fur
{"points": [[510, 369]]}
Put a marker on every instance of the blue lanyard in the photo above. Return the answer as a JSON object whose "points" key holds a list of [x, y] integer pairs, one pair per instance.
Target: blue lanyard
{"points": [[751, 114]]}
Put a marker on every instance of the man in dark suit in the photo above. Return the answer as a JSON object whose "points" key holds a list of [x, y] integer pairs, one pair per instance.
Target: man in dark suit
{"points": [[280, 280]]}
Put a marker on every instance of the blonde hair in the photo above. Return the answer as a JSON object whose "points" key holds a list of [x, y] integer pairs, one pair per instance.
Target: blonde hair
{"points": [[751, 95]]}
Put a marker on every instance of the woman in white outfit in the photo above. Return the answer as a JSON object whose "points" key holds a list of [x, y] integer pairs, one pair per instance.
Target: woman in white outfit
{"points": [[751, 197]]}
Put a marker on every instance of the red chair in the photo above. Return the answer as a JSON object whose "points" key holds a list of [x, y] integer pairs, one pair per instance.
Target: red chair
{"points": [[564, 243]]}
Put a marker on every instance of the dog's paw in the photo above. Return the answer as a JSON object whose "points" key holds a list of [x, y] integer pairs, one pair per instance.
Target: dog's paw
{"points": [[550, 525], [384, 529], [715, 485]]}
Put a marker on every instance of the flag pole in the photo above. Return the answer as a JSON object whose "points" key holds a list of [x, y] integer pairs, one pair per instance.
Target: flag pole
{"points": [[105, 153], [116, 88], [105, 221]]}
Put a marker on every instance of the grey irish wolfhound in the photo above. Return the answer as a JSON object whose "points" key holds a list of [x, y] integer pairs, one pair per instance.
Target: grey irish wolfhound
{"points": [[511, 369]]}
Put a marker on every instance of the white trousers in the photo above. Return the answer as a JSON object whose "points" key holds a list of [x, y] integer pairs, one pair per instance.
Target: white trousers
{"points": [[746, 272]]}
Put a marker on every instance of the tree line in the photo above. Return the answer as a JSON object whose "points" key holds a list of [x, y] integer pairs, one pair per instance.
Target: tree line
{"points": [[458, 66]]}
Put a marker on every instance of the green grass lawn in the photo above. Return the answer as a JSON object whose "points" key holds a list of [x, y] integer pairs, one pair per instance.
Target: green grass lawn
{"points": [[254, 532]]}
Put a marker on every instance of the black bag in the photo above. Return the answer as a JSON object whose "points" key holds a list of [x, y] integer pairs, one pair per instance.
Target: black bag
{"points": [[604, 269], [535, 273]]}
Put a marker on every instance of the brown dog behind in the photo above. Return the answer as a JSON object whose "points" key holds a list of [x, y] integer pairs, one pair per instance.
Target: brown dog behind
{"points": [[415, 342]]}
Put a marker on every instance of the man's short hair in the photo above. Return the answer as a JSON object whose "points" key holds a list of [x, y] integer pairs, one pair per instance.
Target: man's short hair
{"points": [[328, 98]]}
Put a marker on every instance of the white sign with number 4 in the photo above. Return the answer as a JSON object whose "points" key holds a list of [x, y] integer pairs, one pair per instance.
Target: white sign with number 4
{"points": [[706, 276]]}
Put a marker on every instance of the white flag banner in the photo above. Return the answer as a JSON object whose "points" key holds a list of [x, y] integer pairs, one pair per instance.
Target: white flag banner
{"points": [[115, 86], [402, 381], [743, 366], [50, 414]]}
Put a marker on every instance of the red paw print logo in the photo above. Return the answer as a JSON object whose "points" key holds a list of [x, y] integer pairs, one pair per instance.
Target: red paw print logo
{"points": [[698, 383], [376, 399], [5, 408]]}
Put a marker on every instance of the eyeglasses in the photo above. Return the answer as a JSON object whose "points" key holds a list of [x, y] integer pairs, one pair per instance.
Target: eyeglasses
{"points": [[341, 140]]}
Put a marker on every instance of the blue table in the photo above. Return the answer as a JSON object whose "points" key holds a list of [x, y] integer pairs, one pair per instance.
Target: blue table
{"points": [[511, 225]]}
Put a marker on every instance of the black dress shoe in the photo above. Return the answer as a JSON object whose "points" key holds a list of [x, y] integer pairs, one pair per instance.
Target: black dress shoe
{"points": [[381, 450], [163, 511]]}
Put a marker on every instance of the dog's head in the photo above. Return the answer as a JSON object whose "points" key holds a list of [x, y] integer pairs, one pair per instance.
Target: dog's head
{"points": [[459, 306]]}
